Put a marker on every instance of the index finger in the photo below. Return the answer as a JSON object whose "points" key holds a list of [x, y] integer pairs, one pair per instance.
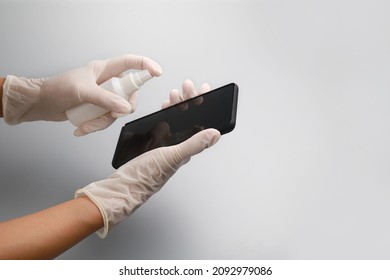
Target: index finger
{"points": [[117, 65]]}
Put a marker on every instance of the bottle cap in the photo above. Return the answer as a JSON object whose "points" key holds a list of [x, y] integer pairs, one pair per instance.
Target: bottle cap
{"points": [[133, 81], [143, 76]]}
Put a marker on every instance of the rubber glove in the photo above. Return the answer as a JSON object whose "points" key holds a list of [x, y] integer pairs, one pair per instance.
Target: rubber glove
{"points": [[188, 91], [49, 98], [136, 181]]}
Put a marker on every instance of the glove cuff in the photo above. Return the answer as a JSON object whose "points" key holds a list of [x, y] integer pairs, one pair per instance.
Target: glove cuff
{"points": [[19, 96], [102, 233]]}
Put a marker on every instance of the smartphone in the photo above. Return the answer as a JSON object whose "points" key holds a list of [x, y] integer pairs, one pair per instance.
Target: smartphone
{"points": [[214, 109]]}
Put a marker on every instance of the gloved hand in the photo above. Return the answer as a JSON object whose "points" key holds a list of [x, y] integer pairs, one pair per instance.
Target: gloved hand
{"points": [[136, 181], [188, 91], [49, 98]]}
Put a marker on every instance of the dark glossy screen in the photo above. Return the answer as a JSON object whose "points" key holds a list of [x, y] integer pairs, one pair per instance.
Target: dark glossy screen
{"points": [[215, 109]]}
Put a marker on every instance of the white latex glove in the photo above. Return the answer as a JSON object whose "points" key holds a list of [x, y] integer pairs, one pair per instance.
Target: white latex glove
{"points": [[49, 98], [136, 181], [188, 91]]}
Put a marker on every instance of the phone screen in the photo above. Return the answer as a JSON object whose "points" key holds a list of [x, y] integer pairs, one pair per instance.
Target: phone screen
{"points": [[172, 125]]}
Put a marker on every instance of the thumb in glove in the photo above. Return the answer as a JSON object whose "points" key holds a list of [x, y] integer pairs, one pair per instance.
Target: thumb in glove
{"points": [[136, 181]]}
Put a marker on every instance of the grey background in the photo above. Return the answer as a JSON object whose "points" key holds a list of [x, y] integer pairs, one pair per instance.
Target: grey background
{"points": [[305, 174]]}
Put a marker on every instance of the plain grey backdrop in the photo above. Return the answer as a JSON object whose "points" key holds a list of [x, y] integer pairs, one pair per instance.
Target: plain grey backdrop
{"points": [[306, 172]]}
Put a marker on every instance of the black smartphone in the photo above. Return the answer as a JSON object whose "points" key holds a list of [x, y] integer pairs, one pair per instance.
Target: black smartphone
{"points": [[214, 109]]}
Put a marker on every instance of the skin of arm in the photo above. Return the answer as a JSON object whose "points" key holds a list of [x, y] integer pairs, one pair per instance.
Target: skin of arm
{"points": [[48, 233]]}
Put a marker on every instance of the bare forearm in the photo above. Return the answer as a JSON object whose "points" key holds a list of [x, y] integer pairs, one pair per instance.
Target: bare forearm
{"points": [[48, 233], [2, 80]]}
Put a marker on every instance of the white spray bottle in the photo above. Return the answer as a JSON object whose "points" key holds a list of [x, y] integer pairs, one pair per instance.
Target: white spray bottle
{"points": [[123, 86]]}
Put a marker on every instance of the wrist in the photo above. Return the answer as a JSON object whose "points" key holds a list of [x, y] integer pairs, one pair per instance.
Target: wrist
{"points": [[20, 97], [101, 231], [91, 216]]}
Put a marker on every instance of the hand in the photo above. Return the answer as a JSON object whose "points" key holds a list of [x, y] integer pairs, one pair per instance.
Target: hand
{"points": [[136, 181], [49, 98], [188, 91]]}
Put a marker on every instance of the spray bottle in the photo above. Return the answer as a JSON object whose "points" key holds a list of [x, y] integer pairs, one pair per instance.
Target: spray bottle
{"points": [[123, 86]]}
